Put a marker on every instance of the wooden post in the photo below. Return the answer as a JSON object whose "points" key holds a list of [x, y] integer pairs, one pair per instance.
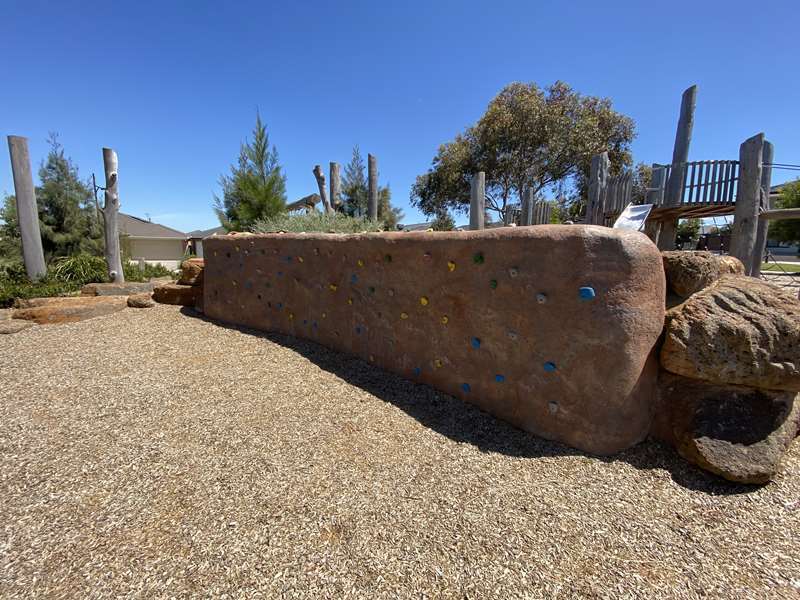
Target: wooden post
{"points": [[527, 207], [598, 180], [323, 191], [336, 185], [111, 217], [768, 155], [372, 189], [27, 210], [748, 200], [680, 155], [477, 200], [654, 196]]}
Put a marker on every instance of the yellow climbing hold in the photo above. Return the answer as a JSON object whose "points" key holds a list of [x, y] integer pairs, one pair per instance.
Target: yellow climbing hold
{"points": [[300, 259], [291, 316], [451, 266], [349, 300], [324, 315], [332, 287], [403, 315], [438, 363], [445, 319], [423, 300], [360, 263]]}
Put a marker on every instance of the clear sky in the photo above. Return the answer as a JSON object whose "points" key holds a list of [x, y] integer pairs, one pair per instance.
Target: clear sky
{"points": [[174, 86]]}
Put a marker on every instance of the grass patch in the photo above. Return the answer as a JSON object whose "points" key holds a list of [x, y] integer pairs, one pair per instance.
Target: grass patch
{"points": [[781, 268]]}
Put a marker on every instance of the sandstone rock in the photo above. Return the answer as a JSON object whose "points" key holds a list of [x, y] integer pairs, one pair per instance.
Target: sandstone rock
{"points": [[14, 325], [175, 293], [741, 330], [116, 289], [5, 314], [460, 311], [192, 272], [689, 272], [46, 311], [144, 300], [738, 433]]}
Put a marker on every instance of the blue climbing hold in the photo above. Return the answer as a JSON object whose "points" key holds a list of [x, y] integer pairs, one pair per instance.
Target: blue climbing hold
{"points": [[417, 371], [280, 273], [353, 278], [465, 387], [280, 304], [549, 366], [586, 293], [314, 324], [358, 330], [499, 378], [476, 342]]}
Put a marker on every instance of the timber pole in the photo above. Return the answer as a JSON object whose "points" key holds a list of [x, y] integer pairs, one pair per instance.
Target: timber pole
{"points": [[768, 155], [372, 196], [477, 200], [748, 200], [336, 185], [323, 191], [680, 155], [27, 211], [598, 180], [527, 207], [111, 217]]}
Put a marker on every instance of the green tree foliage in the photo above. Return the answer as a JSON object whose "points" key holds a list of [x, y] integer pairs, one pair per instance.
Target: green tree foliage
{"points": [[688, 229], [642, 176], [527, 138], [787, 230], [443, 222], [388, 214], [354, 186], [68, 220], [10, 243], [256, 186]]}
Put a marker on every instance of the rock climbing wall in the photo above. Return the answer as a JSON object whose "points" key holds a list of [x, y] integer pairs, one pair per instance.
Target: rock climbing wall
{"points": [[551, 328]]}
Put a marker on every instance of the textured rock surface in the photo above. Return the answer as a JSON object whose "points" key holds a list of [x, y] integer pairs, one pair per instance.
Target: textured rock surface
{"points": [[144, 300], [175, 293], [741, 330], [116, 289], [14, 325], [549, 327], [736, 432], [192, 272], [47, 311], [689, 272]]}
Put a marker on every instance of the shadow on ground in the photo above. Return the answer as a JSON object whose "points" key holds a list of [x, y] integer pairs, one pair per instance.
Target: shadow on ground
{"points": [[464, 423]]}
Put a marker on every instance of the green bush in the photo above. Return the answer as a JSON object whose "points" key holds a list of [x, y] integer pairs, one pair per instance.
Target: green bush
{"points": [[316, 222], [9, 290], [12, 271], [80, 269], [133, 273]]}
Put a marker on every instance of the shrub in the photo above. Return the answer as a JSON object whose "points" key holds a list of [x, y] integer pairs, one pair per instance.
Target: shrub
{"points": [[9, 290], [80, 269], [316, 222], [12, 271], [132, 271]]}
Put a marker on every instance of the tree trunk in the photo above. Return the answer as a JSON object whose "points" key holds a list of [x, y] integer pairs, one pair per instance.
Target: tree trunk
{"points": [[763, 225], [27, 211], [477, 206], [598, 179], [372, 198], [748, 200], [111, 218], [336, 185], [323, 191]]}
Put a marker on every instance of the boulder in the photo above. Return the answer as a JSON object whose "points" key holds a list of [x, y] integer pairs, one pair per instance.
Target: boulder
{"points": [[48, 311], [192, 272], [739, 433], [14, 325], [5, 314], [741, 330], [116, 289], [175, 293], [689, 272], [144, 300]]}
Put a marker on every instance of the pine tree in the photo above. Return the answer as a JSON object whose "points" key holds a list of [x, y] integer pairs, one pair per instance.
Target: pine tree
{"points": [[255, 188], [390, 215], [354, 186]]}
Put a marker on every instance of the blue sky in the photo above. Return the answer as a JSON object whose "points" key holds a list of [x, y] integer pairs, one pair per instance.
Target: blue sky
{"points": [[173, 86]]}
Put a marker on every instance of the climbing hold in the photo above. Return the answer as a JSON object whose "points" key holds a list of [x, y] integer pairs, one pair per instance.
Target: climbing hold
{"points": [[288, 259], [371, 358], [349, 300], [513, 272], [291, 316], [234, 283], [549, 366], [299, 259], [316, 251], [493, 284], [280, 273], [360, 262], [426, 256], [513, 335], [215, 252], [476, 343], [586, 293], [417, 371], [499, 378], [445, 319], [371, 289], [403, 315], [423, 300], [478, 258], [280, 305], [324, 315], [465, 387], [358, 329], [353, 278], [388, 258], [552, 406], [305, 322], [391, 292], [451, 266], [332, 287], [237, 248], [248, 285], [314, 324], [438, 363], [541, 298]]}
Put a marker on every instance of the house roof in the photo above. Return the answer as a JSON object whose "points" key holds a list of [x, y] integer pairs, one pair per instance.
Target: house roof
{"points": [[203, 233], [136, 227]]}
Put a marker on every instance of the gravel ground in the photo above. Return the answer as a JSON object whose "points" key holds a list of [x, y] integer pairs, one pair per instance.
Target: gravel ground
{"points": [[154, 454]]}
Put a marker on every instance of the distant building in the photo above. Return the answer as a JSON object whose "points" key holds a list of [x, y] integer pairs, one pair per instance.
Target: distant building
{"points": [[151, 242]]}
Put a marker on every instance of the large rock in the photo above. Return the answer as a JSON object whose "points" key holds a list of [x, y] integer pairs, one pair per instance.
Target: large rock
{"points": [[741, 330], [14, 325], [144, 300], [50, 311], [689, 272], [116, 289], [551, 328], [192, 272], [739, 433], [175, 293]]}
